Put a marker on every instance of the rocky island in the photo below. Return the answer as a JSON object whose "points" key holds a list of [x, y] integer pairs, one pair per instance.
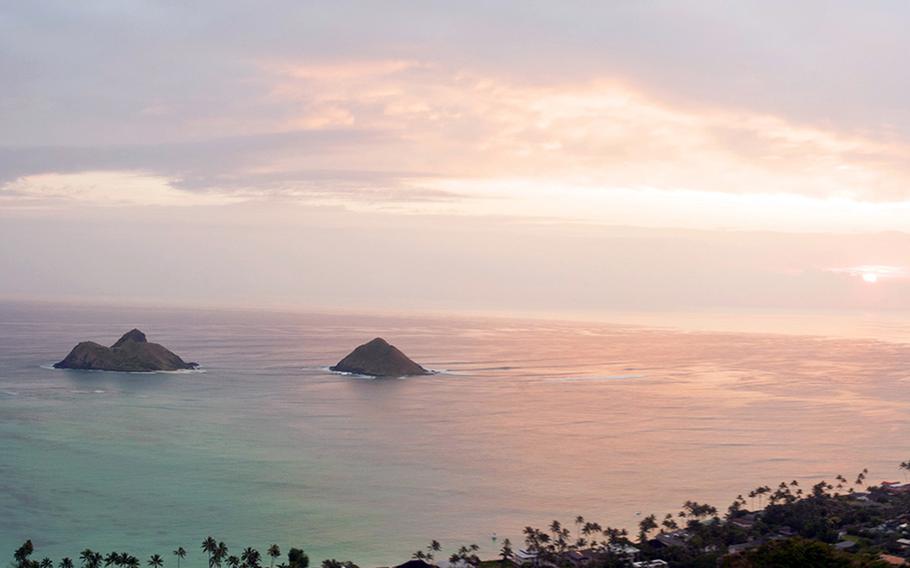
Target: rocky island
{"points": [[132, 352], [379, 359]]}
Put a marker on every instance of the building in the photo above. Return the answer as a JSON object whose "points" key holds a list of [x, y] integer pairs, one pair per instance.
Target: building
{"points": [[590, 555], [670, 540], [893, 560], [745, 522], [581, 557], [520, 557], [742, 547], [622, 550]]}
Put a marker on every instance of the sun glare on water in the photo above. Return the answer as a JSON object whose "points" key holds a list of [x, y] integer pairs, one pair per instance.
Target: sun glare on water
{"points": [[870, 277]]}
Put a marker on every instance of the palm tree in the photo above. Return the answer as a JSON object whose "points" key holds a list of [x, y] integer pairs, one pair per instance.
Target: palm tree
{"points": [[273, 552], [696, 511], [180, 553], [646, 525], [506, 553], [297, 558], [467, 555], [155, 561], [432, 548], [250, 557], [560, 535], [221, 552], [233, 561], [579, 520], [111, 559], [46, 563], [209, 546], [23, 552], [67, 562], [86, 557]]}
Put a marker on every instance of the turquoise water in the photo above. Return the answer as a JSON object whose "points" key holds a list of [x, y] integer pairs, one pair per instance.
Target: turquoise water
{"points": [[528, 421]]}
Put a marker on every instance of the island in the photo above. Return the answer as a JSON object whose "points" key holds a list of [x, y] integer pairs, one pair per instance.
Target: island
{"points": [[131, 353], [379, 359]]}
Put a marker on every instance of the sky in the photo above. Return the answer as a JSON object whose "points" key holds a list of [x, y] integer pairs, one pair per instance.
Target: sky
{"points": [[496, 156]]}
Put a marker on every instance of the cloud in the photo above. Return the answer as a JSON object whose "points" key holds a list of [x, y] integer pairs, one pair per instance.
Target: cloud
{"points": [[106, 189], [879, 271], [206, 157], [285, 165], [490, 143], [71, 65], [407, 120], [461, 111]]}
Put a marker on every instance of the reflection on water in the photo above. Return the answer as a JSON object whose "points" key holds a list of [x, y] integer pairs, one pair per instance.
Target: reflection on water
{"points": [[530, 421]]}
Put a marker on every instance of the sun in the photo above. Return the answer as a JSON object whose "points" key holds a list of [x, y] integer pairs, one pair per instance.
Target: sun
{"points": [[870, 277]]}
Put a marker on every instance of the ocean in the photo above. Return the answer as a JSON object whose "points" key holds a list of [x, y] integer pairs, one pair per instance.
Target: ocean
{"points": [[526, 421]]}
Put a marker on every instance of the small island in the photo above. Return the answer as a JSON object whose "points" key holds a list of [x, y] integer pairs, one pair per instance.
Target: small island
{"points": [[379, 359], [131, 353]]}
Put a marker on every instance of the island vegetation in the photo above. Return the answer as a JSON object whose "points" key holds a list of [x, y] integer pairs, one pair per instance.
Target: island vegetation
{"points": [[840, 523]]}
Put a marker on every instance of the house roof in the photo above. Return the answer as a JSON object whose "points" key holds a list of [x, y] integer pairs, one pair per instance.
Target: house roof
{"points": [[675, 539], [621, 548]]}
